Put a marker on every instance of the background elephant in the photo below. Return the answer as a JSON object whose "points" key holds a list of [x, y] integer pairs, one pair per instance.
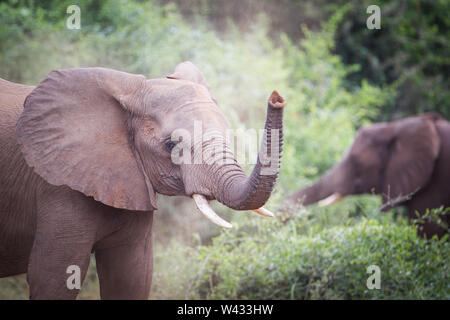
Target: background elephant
{"points": [[406, 161], [83, 155]]}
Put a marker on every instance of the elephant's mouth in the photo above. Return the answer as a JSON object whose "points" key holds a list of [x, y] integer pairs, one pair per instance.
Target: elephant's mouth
{"points": [[203, 205]]}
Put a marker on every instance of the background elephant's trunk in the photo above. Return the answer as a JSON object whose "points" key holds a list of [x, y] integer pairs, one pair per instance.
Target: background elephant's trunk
{"points": [[241, 193], [312, 194], [323, 188]]}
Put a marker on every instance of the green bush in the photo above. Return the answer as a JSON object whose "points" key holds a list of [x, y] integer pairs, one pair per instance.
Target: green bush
{"points": [[276, 260]]}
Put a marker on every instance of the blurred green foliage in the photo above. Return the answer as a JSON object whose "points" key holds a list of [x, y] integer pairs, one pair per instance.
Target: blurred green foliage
{"points": [[322, 120], [331, 91], [410, 52]]}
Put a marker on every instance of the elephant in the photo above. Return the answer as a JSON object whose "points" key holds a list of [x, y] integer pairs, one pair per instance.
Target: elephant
{"points": [[83, 155], [407, 161]]}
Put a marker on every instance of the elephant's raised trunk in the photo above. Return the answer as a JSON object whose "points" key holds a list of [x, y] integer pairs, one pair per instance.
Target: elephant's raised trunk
{"points": [[230, 184], [240, 192]]}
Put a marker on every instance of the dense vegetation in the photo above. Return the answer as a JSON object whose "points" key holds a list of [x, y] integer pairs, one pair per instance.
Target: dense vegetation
{"points": [[322, 61]]}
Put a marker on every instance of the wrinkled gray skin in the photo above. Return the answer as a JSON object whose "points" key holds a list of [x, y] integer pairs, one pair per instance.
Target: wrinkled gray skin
{"points": [[82, 156], [406, 161]]}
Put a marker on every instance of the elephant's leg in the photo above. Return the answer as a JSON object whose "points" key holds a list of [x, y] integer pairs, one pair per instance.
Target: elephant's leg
{"points": [[125, 265], [65, 234], [428, 228]]}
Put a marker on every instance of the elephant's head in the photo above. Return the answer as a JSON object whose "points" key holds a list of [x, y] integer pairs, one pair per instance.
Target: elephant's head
{"points": [[109, 135], [394, 159]]}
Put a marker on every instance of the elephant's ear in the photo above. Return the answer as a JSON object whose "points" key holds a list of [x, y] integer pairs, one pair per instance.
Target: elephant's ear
{"points": [[188, 71], [73, 131], [413, 151]]}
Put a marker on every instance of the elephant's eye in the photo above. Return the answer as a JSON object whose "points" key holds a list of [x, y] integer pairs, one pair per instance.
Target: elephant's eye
{"points": [[169, 144]]}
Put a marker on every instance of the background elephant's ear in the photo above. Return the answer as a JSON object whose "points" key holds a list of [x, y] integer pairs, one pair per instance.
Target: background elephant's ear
{"points": [[73, 131], [414, 149], [188, 71]]}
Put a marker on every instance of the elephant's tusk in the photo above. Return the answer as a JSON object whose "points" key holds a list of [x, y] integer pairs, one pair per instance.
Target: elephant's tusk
{"points": [[335, 197], [204, 207], [264, 212]]}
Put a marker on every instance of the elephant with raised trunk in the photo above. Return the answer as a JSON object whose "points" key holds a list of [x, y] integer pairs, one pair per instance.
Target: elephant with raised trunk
{"points": [[83, 155], [406, 161]]}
